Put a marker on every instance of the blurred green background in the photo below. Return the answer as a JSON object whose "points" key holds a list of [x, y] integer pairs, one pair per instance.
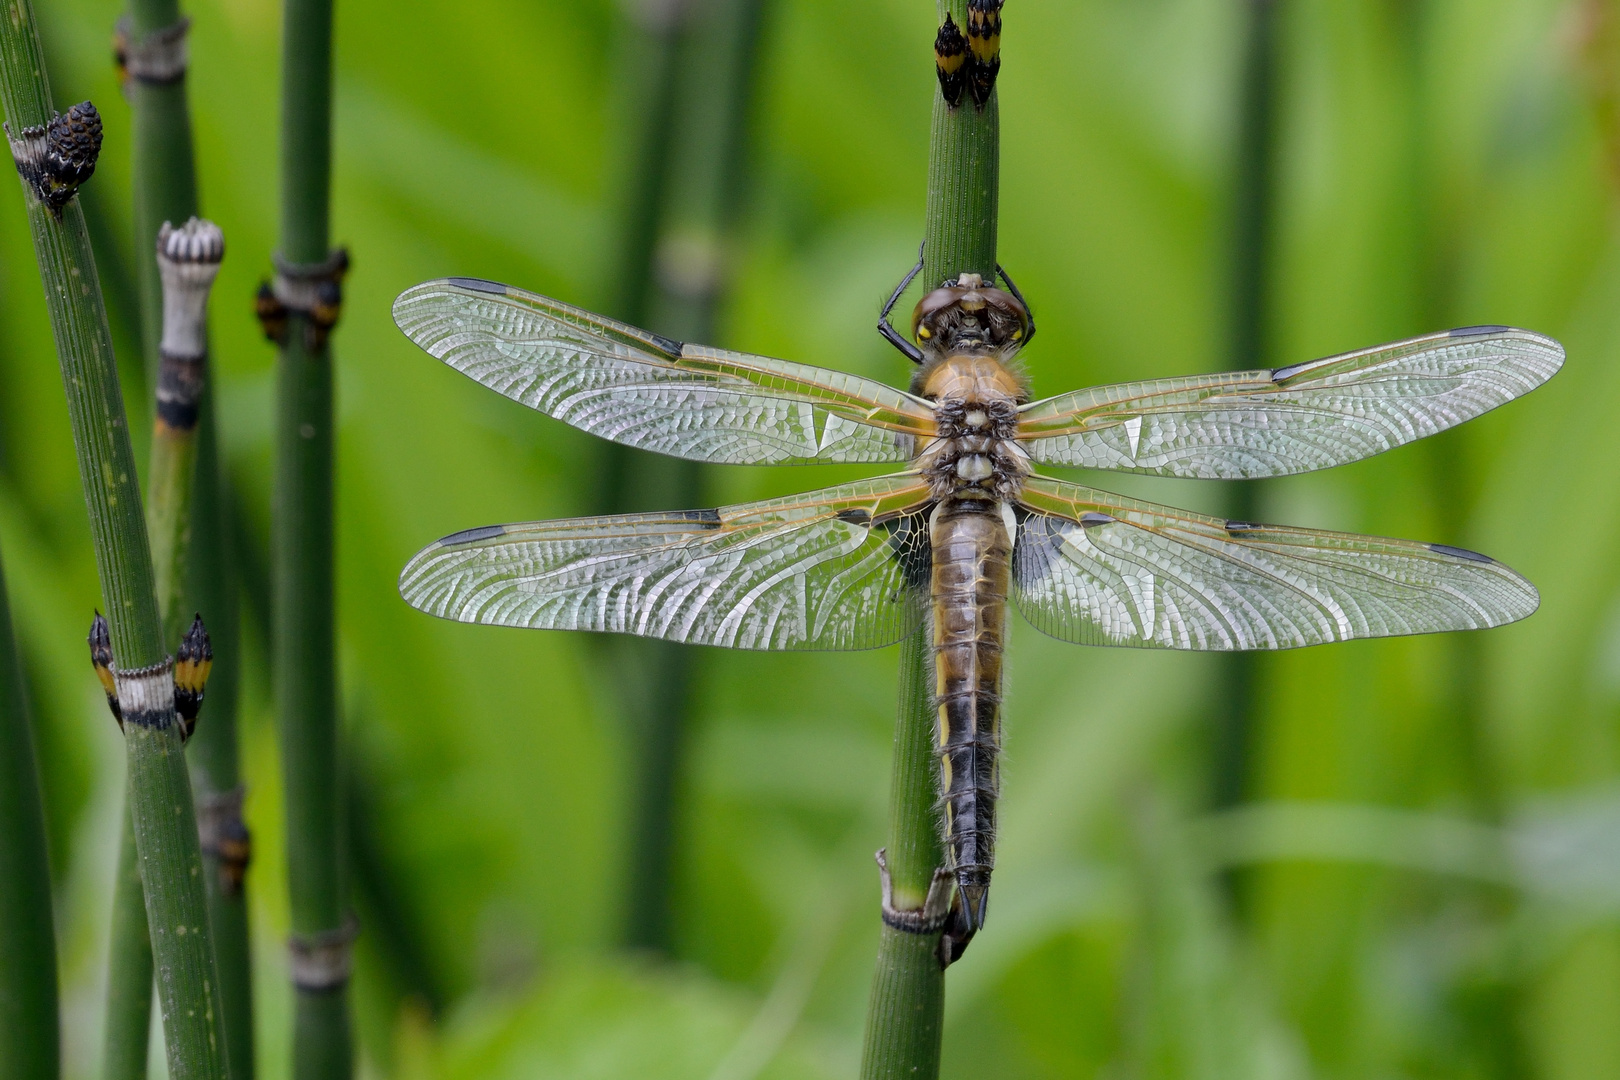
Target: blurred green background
{"points": [[1423, 877]]}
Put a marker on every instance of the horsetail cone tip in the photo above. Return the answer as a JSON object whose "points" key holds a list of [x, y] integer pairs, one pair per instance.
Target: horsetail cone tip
{"points": [[198, 241], [57, 158], [188, 261]]}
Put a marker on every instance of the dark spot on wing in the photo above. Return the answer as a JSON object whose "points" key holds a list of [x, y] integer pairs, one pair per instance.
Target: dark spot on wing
{"points": [[668, 345], [855, 517], [1461, 553], [478, 285], [711, 518], [1476, 331], [1091, 517], [468, 536], [1243, 526], [1283, 374]]}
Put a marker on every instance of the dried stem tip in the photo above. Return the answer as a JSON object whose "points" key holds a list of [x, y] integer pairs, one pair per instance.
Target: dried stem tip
{"points": [[56, 159], [192, 662], [101, 658], [951, 61], [984, 42]]}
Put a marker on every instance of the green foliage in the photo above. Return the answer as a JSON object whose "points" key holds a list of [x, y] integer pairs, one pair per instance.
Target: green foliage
{"points": [[1441, 165]]}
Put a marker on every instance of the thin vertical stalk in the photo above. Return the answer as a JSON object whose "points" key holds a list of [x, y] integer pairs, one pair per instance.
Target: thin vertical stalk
{"points": [[160, 792], [709, 76], [28, 1020], [213, 752], [191, 560], [652, 676], [302, 560], [1253, 212], [129, 966], [165, 178], [905, 1016]]}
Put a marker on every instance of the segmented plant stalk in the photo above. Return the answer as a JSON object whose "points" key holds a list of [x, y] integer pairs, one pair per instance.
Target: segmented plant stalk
{"points": [[53, 160], [905, 1015], [300, 309], [194, 576], [711, 84], [28, 1021]]}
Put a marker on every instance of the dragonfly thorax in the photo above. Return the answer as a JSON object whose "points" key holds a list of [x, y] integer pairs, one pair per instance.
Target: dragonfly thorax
{"points": [[975, 454]]}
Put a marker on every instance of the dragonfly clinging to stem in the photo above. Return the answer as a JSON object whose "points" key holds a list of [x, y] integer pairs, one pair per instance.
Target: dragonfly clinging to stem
{"points": [[968, 524]]}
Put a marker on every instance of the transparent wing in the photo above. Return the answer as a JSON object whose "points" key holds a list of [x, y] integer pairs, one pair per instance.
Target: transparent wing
{"points": [[647, 391], [832, 569], [1101, 569], [1294, 419]]}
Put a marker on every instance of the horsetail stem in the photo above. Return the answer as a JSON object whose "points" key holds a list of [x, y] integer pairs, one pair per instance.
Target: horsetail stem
{"points": [[55, 154]]}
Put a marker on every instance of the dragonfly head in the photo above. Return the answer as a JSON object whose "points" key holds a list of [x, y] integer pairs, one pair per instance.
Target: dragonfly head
{"points": [[968, 315]]}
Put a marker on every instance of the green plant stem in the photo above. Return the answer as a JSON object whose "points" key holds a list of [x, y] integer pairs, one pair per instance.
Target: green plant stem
{"points": [[193, 572], [905, 1015], [165, 178], [302, 557], [694, 134], [161, 804], [28, 1020], [129, 966], [1253, 211], [649, 32], [646, 672], [213, 752]]}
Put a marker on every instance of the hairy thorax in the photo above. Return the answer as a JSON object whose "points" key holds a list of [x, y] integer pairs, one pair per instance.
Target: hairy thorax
{"points": [[976, 454]]}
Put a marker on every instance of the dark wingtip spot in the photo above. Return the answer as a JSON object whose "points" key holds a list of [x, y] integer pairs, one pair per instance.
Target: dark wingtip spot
{"points": [[1283, 374], [478, 285], [669, 345], [855, 517], [1243, 526], [468, 536], [1091, 517], [1476, 331], [1461, 553], [705, 517]]}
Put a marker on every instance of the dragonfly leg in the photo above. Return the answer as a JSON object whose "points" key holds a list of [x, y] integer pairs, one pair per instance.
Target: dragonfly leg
{"points": [[1020, 298], [886, 328], [936, 909]]}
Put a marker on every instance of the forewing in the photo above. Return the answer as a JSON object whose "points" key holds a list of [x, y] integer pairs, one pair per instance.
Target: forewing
{"points": [[1100, 569], [1295, 419], [643, 390], [832, 569]]}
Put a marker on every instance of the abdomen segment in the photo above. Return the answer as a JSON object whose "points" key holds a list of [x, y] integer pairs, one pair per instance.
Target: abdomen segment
{"points": [[971, 558]]}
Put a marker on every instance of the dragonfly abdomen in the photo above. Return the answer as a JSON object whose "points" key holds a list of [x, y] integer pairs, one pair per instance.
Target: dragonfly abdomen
{"points": [[972, 554]]}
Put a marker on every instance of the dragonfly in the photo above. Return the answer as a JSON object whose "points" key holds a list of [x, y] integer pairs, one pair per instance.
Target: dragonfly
{"points": [[967, 526]]}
